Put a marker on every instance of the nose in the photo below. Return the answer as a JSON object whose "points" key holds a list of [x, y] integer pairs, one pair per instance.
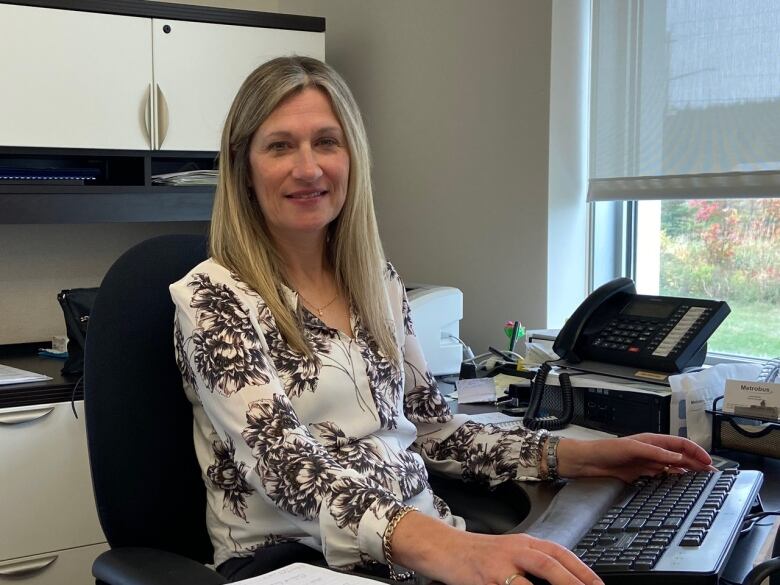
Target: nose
{"points": [[306, 166]]}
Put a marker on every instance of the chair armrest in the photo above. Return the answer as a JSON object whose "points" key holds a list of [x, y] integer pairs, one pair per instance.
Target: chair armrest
{"points": [[761, 571], [485, 510], [150, 566]]}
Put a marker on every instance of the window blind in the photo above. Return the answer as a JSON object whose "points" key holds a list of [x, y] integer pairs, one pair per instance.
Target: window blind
{"points": [[685, 99]]}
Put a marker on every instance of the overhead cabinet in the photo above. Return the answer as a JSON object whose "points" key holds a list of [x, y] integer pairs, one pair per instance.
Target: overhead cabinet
{"points": [[131, 88], [198, 69], [87, 80], [74, 79]]}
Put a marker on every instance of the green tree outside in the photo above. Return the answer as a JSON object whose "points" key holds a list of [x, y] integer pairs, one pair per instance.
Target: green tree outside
{"points": [[730, 250]]}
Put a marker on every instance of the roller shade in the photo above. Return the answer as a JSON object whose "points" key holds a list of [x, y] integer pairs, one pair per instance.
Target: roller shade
{"points": [[685, 99], [712, 186]]}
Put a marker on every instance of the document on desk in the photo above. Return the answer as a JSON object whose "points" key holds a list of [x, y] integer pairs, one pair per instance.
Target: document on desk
{"points": [[303, 574], [9, 375], [476, 390], [570, 432]]}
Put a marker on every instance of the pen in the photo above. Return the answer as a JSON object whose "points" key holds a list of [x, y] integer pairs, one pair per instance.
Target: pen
{"points": [[501, 354], [513, 337]]}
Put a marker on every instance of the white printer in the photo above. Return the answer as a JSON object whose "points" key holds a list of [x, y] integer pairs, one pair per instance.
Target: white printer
{"points": [[436, 313]]}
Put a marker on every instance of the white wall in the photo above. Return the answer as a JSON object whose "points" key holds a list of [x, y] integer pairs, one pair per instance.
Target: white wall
{"points": [[567, 240], [455, 94]]}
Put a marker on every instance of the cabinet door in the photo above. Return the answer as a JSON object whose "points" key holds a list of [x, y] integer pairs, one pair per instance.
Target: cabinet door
{"points": [[46, 497], [73, 79], [198, 69]]}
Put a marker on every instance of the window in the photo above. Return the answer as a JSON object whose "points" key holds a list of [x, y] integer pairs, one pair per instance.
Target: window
{"points": [[685, 157]]}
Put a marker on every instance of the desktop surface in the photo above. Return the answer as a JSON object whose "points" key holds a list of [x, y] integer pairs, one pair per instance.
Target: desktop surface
{"points": [[744, 554], [59, 389]]}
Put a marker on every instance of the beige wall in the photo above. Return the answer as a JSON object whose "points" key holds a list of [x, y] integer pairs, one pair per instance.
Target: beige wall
{"points": [[261, 5], [456, 99], [37, 261], [455, 94]]}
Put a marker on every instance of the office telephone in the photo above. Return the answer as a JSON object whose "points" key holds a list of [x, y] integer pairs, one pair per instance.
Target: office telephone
{"points": [[646, 332], [620, 333]]}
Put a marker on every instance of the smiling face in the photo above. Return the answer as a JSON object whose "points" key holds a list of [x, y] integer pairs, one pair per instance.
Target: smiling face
{"points": [[299, 166]]}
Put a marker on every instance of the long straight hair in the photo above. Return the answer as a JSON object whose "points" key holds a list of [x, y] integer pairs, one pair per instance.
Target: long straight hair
{"points": [[239, 237]]}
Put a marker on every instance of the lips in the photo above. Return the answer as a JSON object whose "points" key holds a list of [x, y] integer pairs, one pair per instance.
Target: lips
{"points": [[308, 194]]}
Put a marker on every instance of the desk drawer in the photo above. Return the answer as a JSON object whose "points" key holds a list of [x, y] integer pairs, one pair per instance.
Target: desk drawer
{"points": [[71, 567], [46, 500]]}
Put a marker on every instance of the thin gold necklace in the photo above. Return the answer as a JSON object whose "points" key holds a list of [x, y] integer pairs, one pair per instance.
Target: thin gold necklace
{"points": [[319, 310]]}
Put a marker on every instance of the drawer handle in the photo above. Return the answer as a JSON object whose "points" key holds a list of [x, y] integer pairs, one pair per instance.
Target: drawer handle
{"points": [[25, 567], [15, 418]]}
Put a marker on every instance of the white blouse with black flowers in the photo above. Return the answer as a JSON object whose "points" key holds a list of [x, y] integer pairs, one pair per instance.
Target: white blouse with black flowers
{"points": [[320, 450]]}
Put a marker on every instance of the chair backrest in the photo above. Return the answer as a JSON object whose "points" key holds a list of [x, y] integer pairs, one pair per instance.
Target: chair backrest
{"points": [[147, 481]]}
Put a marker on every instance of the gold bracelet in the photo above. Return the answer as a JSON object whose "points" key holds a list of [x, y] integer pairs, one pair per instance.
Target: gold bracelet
{"points": [[387, 547]]}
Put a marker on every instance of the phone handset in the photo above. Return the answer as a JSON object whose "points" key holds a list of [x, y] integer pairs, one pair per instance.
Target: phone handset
{"points": [[566, 341], [551, 423]]}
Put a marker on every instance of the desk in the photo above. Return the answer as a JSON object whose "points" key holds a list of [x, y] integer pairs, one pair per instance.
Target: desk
{"points": [[58, 389], [747, 548], [50, 530]]}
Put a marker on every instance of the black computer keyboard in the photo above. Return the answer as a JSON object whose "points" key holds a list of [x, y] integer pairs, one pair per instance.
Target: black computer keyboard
{"points": [[671, 529]]}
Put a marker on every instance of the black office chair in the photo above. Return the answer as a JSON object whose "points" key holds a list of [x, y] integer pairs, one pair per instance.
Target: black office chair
{"points": [[150, 496]]}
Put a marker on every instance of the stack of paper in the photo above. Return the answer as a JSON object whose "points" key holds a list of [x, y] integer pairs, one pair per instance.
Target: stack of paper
{"points": [[9, 375], [302, 574], [200, 177]]}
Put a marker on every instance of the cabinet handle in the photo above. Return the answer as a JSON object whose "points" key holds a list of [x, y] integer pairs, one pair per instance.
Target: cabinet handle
{"points": [[148, 115], [15, 418], [162, 117], [18, 568]]}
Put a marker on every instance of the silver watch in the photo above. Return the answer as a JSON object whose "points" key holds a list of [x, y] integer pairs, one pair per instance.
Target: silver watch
{"points": [[552, 457]]}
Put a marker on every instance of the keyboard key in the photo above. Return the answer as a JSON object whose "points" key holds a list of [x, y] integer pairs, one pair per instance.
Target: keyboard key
{"points": [[673, 521], [611, 567], [619, 524], [635, 524]]}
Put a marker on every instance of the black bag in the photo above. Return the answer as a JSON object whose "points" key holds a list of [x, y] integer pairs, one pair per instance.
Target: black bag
{"points": [[76, 305]]}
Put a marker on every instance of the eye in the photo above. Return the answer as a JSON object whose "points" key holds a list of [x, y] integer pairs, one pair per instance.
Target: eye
{"points": [[278, 146], [328, 142]]}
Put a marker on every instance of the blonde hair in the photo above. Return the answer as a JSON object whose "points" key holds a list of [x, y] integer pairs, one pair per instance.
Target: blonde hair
{"points": [[239, 238]]}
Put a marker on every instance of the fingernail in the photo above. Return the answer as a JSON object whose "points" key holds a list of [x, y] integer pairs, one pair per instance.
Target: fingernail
{"points": [[598, 582]]}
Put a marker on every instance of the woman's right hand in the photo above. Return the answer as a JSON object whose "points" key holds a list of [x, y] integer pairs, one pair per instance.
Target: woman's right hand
{"points": [[454, 557]]}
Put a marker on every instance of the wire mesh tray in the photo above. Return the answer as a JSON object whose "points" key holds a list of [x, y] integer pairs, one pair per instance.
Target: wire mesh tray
{"points": [[750, 434]]}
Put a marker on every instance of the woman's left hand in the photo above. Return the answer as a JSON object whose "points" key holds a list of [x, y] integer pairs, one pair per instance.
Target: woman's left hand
{"points": [[628, 458]]}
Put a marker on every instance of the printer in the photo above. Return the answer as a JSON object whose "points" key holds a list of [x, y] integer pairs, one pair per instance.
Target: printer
{"points": [[436, 313]]}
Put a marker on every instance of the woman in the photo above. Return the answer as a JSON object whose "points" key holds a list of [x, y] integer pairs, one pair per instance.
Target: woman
{"points": [[315, 414]]}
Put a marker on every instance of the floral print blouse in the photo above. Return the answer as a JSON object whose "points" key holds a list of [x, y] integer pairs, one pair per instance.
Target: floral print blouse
{"points": [[322, 450]]}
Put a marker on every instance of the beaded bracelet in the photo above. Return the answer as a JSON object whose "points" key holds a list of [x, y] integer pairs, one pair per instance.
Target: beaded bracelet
{"points": [[387, 546]]}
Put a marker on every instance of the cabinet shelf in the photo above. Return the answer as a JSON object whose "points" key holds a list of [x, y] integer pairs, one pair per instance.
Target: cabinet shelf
{"points": [[121, 192]]}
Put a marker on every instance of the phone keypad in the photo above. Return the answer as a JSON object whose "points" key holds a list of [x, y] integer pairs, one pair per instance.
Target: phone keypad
{"points": [[662, 338], [626, 335]]}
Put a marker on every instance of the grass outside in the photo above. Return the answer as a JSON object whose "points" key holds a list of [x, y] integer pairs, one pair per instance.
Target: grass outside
{"points": [[752, 329]]}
